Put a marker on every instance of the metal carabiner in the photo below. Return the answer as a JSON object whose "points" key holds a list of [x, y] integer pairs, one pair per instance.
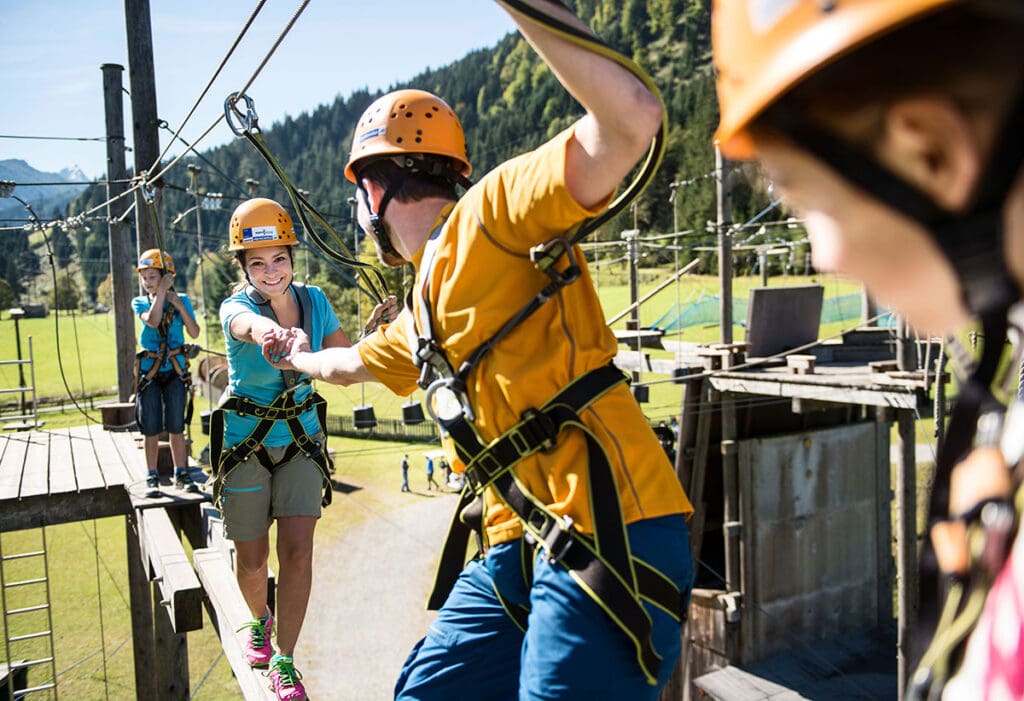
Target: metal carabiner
{"points": [[450, 402], [545, 255], [146, 188], [248, 122]]}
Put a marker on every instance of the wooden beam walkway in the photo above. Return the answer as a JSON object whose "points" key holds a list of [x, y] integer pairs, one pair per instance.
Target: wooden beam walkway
{"points": [[52, 477]]}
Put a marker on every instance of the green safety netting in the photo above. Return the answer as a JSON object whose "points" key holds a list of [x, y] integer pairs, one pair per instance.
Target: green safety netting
{"points": [[704, 310]]}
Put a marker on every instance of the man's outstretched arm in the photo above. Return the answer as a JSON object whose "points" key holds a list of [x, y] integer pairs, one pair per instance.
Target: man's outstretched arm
{"points": [[290, 350]]}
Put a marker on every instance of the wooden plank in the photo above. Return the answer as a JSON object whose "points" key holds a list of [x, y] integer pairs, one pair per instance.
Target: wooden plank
{"points": [[164, 553], [12, 465], [835, 392], [87, 466], [128, 445], [228, 610], [733, 684], [116, 468], [62, 463], [66, 507], [34, 478]]}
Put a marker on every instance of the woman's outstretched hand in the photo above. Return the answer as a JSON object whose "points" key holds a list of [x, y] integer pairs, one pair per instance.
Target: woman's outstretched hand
{"points": [[278, 345]]}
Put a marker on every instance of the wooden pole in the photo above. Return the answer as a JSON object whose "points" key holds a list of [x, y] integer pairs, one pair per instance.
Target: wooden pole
{"points": [[724, 221], [122, 253], [171, 653], [906, 553], [146, 138], [142, 616]]}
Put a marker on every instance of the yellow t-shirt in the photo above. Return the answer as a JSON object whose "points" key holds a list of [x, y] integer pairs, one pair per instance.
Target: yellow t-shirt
{"points": [[479, 275]]}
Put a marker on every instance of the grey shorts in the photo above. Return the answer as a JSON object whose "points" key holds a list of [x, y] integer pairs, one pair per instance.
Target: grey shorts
{"points": [[252, 497]]}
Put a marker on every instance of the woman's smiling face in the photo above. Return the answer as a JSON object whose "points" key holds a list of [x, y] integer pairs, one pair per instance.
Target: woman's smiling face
{"points": [[269, 269]]}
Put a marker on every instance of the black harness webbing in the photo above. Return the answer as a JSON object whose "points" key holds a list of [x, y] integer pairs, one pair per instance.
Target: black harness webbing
{"points": [[602, 563], [283, 408]]}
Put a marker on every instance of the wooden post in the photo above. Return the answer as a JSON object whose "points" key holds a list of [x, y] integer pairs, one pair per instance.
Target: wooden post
{"points": [[633, 324], [122, 253], [171, 653], [724, 222], [906, 553], [146, 138], [906, 348], [868, 308], [142, 617]]}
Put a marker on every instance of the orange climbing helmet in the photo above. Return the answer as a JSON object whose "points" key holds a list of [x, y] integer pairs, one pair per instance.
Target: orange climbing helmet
{"points": [[260, 223], [157, 259], [408, 121], [763, 48]]}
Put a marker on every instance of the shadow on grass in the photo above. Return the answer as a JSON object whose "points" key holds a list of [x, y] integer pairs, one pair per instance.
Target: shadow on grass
{"points": [[344, 488]]}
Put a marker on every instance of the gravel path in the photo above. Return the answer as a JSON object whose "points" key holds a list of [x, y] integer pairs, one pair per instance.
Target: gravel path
{"points": [[370, 586]]}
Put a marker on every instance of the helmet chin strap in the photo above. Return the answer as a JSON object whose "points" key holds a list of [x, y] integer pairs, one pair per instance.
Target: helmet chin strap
{"points": [[380, 232], [409, 165]]}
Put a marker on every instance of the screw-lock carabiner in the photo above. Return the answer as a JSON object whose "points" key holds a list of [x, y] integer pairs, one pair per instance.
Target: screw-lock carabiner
{"points": [[248, 122]]}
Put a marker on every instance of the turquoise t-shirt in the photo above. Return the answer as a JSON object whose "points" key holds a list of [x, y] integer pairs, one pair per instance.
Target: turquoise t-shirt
{"points": [[250, 376], [149, 339]]}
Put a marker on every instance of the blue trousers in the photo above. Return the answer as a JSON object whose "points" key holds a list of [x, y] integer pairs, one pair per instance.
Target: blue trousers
{"points": [[571, 650], [162, 405]]}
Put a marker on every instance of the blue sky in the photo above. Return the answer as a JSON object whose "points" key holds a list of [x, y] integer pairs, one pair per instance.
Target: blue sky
{"points": [[52, 83]]}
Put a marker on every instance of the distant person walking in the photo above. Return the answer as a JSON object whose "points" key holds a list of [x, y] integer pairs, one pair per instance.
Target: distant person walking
{"points": [[405, 473], [430, 474]]}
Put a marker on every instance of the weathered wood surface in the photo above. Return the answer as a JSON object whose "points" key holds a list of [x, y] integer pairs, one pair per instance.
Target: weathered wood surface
{"points": [[229, 611], [838, 384], [72, 474], [171, 569]]}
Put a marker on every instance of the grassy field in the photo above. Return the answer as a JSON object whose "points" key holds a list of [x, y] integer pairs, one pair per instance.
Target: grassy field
{"points": [[89, 587], [86, 361], [88, 569]]}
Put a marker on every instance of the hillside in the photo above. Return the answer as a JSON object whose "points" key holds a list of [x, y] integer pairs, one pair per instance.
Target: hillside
{"points": [[508, 102], [46, 200]]}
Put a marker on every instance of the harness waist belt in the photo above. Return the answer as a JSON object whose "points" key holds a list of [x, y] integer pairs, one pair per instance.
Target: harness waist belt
{"points": [[601, 564]]}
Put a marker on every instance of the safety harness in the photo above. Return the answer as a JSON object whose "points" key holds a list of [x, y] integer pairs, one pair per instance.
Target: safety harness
{"points": [[283, 408], [178, 358], [602, 563]]}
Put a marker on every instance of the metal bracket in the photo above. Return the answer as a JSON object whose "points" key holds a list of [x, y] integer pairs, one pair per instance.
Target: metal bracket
{"points": [[730, 604]]}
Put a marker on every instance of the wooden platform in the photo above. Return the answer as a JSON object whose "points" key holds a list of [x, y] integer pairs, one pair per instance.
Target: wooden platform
{"points": [[73, 474], [851, 668]]}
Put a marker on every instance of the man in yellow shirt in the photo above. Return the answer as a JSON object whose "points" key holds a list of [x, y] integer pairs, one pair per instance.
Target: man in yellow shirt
{"points": [[586, 572]]}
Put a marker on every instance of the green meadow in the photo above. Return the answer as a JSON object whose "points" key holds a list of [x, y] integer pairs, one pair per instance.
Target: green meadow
{"points": [[75, 353], [87, 560]]}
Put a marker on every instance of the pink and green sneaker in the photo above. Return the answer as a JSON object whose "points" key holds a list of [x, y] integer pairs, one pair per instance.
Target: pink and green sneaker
{"points": [[284, 679], [258, 649]]}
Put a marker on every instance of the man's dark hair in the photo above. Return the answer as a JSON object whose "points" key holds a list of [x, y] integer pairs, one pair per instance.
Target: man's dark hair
{"points": [[406, 184]]}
